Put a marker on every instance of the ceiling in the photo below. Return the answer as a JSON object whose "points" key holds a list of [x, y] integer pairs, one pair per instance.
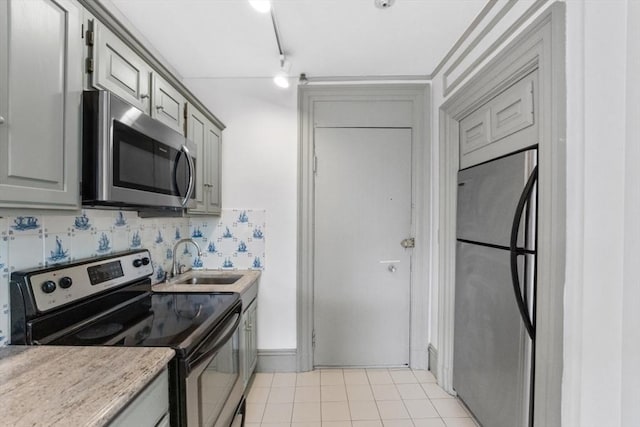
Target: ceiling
{"points": [[323, 38]]}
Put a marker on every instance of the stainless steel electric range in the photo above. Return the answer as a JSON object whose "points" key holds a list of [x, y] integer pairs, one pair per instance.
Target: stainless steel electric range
{"points": [[108, 301]]}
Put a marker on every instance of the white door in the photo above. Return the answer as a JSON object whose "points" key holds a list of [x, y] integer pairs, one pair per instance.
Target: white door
{"points": [[361, 272]]}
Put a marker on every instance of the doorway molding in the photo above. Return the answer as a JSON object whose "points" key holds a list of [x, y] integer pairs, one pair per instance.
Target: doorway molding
{"points": [[540, 46], [309, 99]]}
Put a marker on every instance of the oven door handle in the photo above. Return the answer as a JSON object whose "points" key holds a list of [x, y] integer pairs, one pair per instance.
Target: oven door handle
{"points": [[210, 349], [192, 172]]}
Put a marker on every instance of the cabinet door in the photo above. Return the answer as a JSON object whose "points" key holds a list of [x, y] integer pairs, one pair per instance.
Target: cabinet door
{"points": [[503, 125], [252, 348], [119, 69], [474, 131], [168, 104], [197, 125], [214, 158], [149, 408], [40, 94], [207, 138], [244, 346], [513, 110]]}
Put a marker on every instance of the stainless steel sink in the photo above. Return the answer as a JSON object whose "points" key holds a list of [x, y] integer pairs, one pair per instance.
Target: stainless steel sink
{"points": [[208, 280]]}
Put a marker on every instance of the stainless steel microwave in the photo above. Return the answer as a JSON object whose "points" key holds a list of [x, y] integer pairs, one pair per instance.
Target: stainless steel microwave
{"points": [[130, 160]]}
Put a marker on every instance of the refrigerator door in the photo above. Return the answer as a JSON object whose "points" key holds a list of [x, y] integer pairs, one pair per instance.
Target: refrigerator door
{"points": [[488, 195], [490, 343]]}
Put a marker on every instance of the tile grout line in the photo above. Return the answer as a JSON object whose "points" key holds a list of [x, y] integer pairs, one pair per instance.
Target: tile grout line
{"points": [[349, 403]]}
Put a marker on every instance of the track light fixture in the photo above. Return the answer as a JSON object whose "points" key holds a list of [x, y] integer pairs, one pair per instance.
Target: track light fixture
{"points": [[282, 78]]}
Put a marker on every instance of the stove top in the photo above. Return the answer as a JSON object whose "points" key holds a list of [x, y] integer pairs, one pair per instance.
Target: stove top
{"points": [[108, 301], [175, 320]]}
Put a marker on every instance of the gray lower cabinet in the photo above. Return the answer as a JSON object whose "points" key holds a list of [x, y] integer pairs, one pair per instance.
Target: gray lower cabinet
{"points": [[249, 337], [117, 68], [150, 408], [40, 94], [208, 140]]}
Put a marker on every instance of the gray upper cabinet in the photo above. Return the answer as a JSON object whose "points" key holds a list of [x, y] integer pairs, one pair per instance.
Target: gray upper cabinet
{"points": [[168, 104], [214, 157], [504, 124], [119, 69], [207, 138], [197, 132], [40, 94], [474, 131]]}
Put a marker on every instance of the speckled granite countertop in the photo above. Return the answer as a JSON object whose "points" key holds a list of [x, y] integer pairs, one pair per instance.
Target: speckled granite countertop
{"points": [[73, 386], [249, 277]]}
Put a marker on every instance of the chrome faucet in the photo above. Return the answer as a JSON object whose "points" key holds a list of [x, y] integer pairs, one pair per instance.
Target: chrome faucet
{"points": [[174, 265]]}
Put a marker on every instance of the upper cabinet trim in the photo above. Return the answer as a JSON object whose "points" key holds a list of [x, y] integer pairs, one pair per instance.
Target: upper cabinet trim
{"points": [[103, 13], [451, 78]]}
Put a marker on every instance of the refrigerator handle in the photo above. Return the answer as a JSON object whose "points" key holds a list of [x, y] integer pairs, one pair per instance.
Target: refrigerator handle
{"points": [[515, 252]]}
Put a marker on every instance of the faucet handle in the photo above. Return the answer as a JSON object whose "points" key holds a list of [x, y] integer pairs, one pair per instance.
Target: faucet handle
{"points": [[180, 268]]}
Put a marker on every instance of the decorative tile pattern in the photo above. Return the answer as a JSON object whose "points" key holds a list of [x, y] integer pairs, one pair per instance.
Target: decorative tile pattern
{"points": [[236, 240]]}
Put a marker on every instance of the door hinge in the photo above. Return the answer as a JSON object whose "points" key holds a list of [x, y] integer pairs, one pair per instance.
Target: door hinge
{"points": [[408, 243], [313, 339], [90, 37], [315, 164], [89, 65]]}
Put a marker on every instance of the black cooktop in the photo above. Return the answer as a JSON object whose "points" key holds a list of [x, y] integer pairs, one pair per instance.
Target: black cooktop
{"points": [[176, 320]]}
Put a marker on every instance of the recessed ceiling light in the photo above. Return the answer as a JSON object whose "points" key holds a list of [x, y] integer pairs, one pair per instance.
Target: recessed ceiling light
{"points": [[262, 6], [384, 4]]}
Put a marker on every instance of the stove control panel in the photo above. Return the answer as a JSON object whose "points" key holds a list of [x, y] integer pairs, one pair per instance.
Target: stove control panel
{"points": [[60, 285]]}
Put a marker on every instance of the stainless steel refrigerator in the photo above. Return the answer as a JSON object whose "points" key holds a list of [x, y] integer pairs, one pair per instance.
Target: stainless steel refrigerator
{"points": [[494, 331]]}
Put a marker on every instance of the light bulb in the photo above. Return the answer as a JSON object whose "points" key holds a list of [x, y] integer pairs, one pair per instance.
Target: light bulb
{"points": [[281, 80], [262, 6]]}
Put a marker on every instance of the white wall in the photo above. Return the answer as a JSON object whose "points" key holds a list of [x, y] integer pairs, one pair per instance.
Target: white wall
{"points": [[596, 36], [631, 296], [601, 344], [260, 147]]}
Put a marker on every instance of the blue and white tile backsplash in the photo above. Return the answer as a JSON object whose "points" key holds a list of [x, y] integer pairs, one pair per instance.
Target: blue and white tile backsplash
{"points": [[235, 240]]}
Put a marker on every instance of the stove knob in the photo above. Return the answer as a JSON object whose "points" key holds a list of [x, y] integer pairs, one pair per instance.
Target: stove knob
{"points": [[65, 282], [145, 261], [48, 287], [137, 263]]}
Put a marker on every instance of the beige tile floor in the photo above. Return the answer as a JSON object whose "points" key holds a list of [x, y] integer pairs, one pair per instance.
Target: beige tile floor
{"points": [[352, 398]]}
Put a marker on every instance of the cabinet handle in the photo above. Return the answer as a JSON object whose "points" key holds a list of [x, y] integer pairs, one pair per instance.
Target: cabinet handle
{"points": [[1, 120], [159, 108], [144, 96]]}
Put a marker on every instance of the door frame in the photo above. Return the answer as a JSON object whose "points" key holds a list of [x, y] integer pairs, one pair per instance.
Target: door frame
{"points": [[418, 95], [540, 46]]}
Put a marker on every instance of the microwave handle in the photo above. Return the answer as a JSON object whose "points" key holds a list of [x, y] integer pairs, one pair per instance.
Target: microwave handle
{"points": [[192, 172]]}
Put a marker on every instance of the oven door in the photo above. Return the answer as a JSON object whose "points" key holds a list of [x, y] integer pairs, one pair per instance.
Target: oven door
{"points": [[214, 381]]}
